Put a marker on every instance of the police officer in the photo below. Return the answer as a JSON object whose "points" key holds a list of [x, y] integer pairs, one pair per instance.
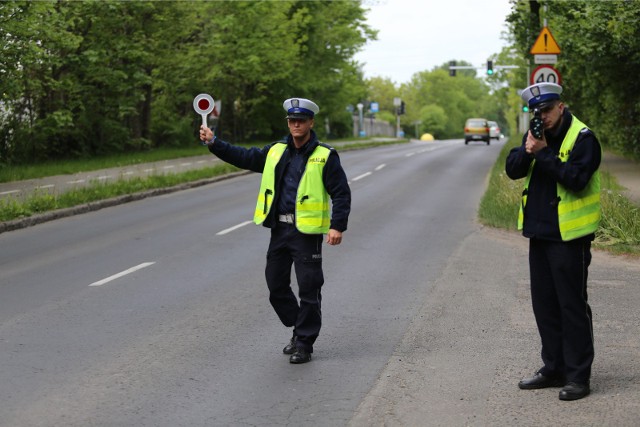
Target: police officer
{"points": [[299, 176], [559, 213]]}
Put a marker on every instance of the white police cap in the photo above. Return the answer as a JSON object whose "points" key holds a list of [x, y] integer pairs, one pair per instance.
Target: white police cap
{"points": [[300, 108], [540, 94]]}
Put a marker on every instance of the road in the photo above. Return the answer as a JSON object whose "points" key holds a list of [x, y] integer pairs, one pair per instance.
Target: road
{"points": [[155, 313]]}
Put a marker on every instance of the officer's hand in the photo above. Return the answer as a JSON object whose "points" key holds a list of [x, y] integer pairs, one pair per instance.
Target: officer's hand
{"points": [[533, 145], [334, 237], [206, 134]]}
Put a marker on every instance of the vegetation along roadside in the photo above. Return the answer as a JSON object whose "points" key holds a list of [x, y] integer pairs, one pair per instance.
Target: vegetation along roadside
{"points": [[619, 230], [38, 203]]}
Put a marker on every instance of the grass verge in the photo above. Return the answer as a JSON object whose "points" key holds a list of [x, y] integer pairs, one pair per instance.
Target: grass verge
{"points": [[41, 170], [619, 230], [37, 203], [40, 202]]}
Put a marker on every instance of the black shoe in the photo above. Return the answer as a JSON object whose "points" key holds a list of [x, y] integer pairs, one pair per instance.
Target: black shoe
{"points": [[574, 391], [291, 347], [540, 381], [300, 356]]}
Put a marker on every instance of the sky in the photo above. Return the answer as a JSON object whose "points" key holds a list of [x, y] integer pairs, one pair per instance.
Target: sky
{"points": [[418, 35]]}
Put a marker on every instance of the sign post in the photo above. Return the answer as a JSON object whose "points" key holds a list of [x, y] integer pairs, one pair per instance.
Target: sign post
{"points": [[545, 51]]}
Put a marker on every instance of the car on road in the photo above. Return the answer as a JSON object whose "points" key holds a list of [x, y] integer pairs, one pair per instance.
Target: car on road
{"points": [[494, 130], [476, 129]]}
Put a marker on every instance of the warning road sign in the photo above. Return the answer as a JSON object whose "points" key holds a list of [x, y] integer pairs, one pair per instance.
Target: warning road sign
{"points": [[545, 44]]}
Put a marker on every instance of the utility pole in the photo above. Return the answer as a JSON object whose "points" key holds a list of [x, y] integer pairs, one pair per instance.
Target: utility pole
{"points": [[396, 103], [360, 107]]}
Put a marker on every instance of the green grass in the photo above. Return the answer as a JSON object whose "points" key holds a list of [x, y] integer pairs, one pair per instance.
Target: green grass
{"points": [[619, 230], [40, 170], [36, 203], [10, 173], [40, 202]]}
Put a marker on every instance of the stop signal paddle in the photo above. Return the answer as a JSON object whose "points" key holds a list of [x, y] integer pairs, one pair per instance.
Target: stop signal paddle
{"points": [[203, 104]]}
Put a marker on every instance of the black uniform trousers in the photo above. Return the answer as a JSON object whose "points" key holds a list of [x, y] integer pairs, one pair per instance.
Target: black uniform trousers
{"points": [[288, 246], [559, 296]]}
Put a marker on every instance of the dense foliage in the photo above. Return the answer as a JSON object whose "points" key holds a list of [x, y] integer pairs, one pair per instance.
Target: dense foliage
{"points": [[83, 79], [599, 62], [437, 103], [86, 78]]}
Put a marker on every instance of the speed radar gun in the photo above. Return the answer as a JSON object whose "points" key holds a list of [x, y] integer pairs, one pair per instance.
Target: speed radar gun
{"points": [[535, 125]]}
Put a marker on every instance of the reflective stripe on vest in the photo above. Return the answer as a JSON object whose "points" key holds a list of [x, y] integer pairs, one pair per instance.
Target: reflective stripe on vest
{"points": [[312, 200], [578, 212]]}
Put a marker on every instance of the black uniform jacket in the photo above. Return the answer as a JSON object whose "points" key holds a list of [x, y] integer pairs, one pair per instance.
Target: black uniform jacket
{"points": [[333, 175], [541, 211]]}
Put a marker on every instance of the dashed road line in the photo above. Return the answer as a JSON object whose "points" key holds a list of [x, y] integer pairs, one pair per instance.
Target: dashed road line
{"points": [[361, 176], [235, 227], [122, 273]]}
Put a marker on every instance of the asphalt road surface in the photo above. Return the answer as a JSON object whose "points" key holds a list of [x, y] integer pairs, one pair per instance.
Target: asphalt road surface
{"points": [[155, 313]]}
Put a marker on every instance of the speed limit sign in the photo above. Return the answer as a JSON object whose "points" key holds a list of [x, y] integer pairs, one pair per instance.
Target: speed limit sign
{"points": [[545, 74]]}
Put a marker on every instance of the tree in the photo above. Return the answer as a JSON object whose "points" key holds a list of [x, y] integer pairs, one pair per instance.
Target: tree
{"points": [[433, 120], [600, 57], [96, 77], [460, 98]]}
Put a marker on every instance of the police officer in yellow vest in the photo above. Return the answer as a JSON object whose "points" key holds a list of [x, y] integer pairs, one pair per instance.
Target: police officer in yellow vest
{"points": [[300, 177], [559, 213]]}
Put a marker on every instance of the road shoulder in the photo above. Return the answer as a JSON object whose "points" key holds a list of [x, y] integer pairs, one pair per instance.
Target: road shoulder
{"points": [[475, 338]]}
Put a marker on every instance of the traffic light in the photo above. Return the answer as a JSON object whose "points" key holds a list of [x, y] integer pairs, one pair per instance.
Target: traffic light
{"points": [[525, 109], [489, 68], [401, 110], [452, 71]]}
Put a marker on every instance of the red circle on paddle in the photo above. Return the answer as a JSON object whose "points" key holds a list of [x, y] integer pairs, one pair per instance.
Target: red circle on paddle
{"points": [[203, 104]]}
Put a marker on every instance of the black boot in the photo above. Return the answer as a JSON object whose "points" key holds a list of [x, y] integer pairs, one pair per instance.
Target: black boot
{"points": [[300, 356], [291, 347]]}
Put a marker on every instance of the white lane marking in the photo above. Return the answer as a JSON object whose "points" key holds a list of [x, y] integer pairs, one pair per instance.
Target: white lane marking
{"points": [[235, 227], [42, 187], [168, 167], [379, 167], [10, 192], [122, 273], [201, 161], [361, 176], [104, 177], [77, 181], [185, 164], [148, 170], [128, 173], [409, 154]]}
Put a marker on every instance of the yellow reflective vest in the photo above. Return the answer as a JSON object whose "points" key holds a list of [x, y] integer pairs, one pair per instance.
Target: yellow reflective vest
{"points": [[578, 212], [312, 213]]}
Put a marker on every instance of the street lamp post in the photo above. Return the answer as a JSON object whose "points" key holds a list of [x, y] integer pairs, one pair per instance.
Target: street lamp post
{"points": [[360, 107], [416, 124]]}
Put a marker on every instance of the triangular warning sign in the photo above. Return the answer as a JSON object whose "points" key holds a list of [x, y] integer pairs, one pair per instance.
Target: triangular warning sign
{"points": [[545, 44]]}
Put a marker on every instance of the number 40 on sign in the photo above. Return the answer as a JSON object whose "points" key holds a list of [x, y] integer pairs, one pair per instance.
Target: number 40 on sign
{"points": [[545, 74]]}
